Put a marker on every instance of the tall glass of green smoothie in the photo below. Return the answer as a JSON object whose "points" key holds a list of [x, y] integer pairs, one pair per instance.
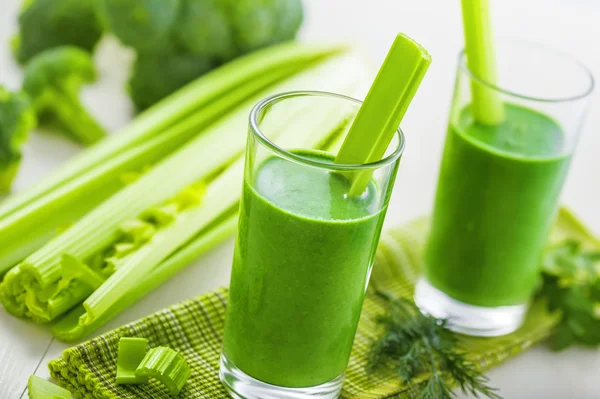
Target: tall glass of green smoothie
{"points": [[304, 250], [499, 186]]}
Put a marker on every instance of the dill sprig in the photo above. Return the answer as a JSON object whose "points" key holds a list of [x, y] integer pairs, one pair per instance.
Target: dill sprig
{"points": [[416, 345]]}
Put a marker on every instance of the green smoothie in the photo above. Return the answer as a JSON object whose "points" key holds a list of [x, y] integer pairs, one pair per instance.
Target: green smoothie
{"points": [[300, 271], [497, 195]]}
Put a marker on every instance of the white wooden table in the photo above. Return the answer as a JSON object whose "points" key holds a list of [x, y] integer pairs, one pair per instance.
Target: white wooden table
{"points": [[572, 25]]}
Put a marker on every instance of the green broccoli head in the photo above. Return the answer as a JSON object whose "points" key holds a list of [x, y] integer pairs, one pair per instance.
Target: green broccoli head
{"points": [[45, 24], [52, 80], [156, 75], [178, 40], [259, 23], [141, 24], [17, 118], [203, 28]]}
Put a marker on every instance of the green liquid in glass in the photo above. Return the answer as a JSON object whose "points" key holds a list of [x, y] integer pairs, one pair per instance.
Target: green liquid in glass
{"points": [[300, 271], [497, 194]]}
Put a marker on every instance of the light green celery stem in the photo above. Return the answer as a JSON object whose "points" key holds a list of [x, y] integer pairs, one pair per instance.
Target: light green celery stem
{"points": [[321, 121], [69, 329], [178, 106], [76, 119], [208, 153], [39, 388], [486, 104], [28, 228]]}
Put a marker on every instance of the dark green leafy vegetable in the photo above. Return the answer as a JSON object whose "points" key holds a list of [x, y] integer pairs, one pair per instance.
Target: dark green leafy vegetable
{"points": [[417, 346], [17, 118], [52, 81], [571, 285], [45, 24]]}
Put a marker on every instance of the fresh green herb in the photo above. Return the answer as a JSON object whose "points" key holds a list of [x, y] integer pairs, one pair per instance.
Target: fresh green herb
{"points": [[177, 41], [571, 285], [131, 353], [45, 24], [17, 118], [167, 366], [419, 348], [40, 388], [52, 80]]}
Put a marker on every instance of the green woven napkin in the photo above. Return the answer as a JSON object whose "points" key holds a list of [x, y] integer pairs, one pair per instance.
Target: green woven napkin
{"points": [[195, 329]]}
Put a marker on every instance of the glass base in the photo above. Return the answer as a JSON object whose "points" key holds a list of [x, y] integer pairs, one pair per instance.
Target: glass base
{"points": [[468, 319], [241, 386]]}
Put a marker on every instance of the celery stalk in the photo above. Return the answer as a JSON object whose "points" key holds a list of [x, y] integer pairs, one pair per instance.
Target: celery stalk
{"points": [[486, 105], [69, 329], [26, 229], [31, 289], [180, 105]]}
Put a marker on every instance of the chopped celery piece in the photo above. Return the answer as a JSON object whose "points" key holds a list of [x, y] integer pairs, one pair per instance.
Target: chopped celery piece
{"points": [[32, 288], [40, 388], [486, 105], [131, 353], [384, 107], [167, 366]]}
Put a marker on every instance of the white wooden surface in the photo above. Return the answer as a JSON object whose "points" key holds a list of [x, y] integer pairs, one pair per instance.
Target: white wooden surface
{"points": [[571, 25]]}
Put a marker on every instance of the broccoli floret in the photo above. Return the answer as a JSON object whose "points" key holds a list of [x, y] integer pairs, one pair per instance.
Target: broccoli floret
{"points": [[156, 75], [45, 24], [203, 28], [52, 80], [141, 24], [178, 40], [17, 118], [258, 23]]}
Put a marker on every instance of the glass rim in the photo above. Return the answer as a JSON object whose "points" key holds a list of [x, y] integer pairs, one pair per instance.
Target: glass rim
{"points": [[462, 64], [260, 136]]}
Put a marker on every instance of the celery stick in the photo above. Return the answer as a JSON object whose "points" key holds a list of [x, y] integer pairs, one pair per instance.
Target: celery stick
{"points": [[199, 159], [28, 228], [486, 105], [40, 388], [69, 329], [384, 107], [180, 105], [131, 353]]}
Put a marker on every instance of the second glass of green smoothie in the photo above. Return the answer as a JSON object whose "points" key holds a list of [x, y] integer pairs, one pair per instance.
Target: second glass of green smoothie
{"points": [[499, 186], [304, 250]]}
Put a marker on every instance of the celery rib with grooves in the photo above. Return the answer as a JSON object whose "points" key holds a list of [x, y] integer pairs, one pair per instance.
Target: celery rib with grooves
{"points": [[181, 104], [486, 104], [22, 232], [31, 289]]}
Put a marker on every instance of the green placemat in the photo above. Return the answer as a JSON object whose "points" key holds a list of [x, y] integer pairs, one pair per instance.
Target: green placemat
{"points": [[195, 329]]}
